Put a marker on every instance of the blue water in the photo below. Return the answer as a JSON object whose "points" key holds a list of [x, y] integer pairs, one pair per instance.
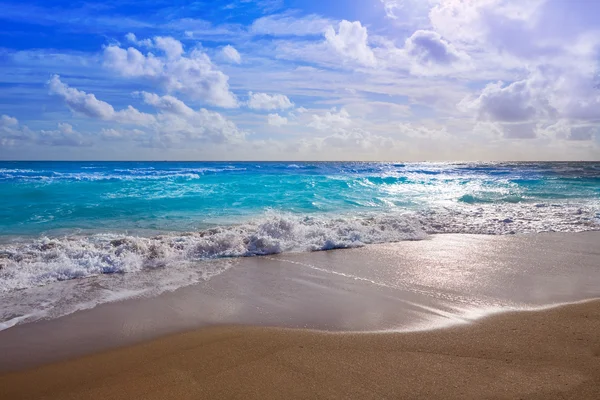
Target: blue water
{"points": [[131, 228], [57, 198]]}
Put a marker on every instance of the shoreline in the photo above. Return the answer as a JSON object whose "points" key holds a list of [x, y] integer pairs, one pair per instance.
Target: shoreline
{"points": [[543, 354], [398, 287]]}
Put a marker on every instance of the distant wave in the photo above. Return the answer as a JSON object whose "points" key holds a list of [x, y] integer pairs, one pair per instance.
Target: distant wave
{"points": [[111, 175]]}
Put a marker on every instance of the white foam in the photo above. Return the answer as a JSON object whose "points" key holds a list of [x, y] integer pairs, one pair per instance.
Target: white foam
{"points": [[61, 298], [33, 272], [501, 218], [40, 262]]}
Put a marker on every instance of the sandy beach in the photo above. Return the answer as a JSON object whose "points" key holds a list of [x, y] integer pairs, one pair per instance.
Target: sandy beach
{"points": [[454, 316], [548, 354]]}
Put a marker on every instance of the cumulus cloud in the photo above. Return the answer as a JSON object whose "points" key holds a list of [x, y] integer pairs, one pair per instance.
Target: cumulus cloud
{"points": [[516, 108], [87, 104], [174, 123], [351, 42], [168, 104], [331, 119], [264, 101], [65, 135], [172, 48], [521, 29], [550, 92], [567, 130], [549, 101], [193, 74], [518, 102], [11, 133], [483, 21], [276, 120], [178, 121], [574, 94], [428, 48], [230, 54], [131, 38], [6, 121]]}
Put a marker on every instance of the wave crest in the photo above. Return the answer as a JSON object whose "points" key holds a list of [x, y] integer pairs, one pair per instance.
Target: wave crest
{"points": [[42, 261], [47, 260]]}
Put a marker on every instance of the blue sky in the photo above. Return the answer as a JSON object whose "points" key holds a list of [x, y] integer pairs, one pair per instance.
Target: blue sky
{"points": [[302, 80]]}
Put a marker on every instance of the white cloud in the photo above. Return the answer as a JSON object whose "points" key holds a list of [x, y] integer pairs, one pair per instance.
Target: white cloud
{"points": [[194, 75], [131, 38], [176, 119], [522, 29], [391, 7], [412, 131], [6, 120], [87, 104], [264, 101], [516, 74], [331, 120], [230, 54], [357, 139], [80, 101], [65, 135], [286, 25], [566, 130], [520, 101], [167, 104], [407, 12], [276, 120], [544, 94], [11, 133], [548, 102], [122, 134], [355, 144], [351, 41], [428, 48], [174, 123], [172, 48]]}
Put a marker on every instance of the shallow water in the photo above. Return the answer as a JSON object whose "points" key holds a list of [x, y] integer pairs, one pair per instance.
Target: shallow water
{"points": [[65, 220]]}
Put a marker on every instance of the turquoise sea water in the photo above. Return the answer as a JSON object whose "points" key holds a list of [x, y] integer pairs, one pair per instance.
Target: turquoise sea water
{"points": [[55, 198], [65, 220]]}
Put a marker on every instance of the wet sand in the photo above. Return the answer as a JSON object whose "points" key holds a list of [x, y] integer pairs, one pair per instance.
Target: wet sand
{"points": [[551, 354]]}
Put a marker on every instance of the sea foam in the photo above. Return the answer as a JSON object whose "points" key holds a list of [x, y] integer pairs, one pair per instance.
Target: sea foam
{"points": [[42, 261]]}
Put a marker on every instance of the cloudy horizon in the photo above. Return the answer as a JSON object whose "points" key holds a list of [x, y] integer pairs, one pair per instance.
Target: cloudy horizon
{"points": [[396, 80]]}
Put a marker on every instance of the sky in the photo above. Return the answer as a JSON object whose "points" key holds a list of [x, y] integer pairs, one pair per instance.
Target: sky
{"points": [[394, 80]]}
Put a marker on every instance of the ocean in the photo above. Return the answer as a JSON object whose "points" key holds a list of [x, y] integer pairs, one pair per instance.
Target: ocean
{"points": [[77, 234]]}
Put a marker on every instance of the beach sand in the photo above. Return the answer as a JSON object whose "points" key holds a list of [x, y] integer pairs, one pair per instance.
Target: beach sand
{"points": [[241, 336], [551, 354]]}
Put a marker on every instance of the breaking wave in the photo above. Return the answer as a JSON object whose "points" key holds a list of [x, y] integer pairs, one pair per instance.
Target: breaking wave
{"points": [[42, 261]]}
